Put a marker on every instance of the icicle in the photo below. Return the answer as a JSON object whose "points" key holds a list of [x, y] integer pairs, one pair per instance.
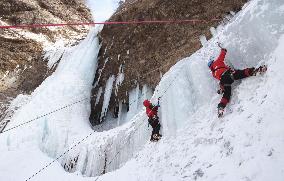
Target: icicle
{"points": [[119, 78], [203, 40], [107, 95], [100, 91], [213, 31], [119, 113], [8, 142], [82, 160]]}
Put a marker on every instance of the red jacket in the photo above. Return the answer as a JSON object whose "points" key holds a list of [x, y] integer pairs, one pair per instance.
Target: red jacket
{"points": [[218, 67], [151, 110]]}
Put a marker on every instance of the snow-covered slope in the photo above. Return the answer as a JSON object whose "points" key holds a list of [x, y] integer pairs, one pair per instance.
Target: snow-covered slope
{"points": [[247, 144]]}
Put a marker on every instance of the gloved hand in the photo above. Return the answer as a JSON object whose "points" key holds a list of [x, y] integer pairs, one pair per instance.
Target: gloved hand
{"points": [[220, 91], [224, 49]]}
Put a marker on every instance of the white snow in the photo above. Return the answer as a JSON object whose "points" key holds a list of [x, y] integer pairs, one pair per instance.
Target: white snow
{"points": [[247, 144]]}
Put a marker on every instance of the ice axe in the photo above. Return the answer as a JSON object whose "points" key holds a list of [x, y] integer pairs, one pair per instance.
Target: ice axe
{"points": [[219, 45], [159, 100]]}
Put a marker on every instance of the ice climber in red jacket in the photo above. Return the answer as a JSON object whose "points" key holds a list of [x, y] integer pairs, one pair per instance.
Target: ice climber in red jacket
{"points": [[227, 75], [152, 111]]}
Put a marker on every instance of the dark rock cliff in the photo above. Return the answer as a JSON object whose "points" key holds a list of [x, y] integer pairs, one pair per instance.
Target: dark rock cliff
{"points": [[22, 67]]}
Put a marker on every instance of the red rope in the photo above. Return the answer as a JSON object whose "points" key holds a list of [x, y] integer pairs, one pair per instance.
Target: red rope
{"points": [[107, 23]]}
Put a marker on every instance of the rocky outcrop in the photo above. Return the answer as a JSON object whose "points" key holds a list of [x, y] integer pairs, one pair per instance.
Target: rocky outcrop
{"points": [[147, 51], [22, 65]]}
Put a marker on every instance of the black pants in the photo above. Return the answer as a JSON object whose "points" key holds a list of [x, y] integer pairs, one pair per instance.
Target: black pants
{"points": [[226, 83], [154, 122]]}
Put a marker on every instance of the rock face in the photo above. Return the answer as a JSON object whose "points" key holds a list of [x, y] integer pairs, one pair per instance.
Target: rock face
{"points": [[147, 51], [22, 65]]}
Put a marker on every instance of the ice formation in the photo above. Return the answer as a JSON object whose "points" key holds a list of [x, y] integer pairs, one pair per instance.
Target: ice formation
{"points": [[247, 144]]}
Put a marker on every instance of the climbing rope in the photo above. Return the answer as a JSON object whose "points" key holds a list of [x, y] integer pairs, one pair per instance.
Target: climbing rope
{"points": [[79, 142], [77, 102], [44, 115], [124, 145], [23, 26], [57, 158], [93, 23], [74, 103], [71, 148]]}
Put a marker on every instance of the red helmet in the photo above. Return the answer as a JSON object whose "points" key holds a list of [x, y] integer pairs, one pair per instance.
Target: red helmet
{"points": [[146, 103]]}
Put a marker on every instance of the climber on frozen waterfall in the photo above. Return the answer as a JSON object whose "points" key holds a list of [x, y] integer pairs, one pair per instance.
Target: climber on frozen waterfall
{"points": [[227, 76], [152, 111]]}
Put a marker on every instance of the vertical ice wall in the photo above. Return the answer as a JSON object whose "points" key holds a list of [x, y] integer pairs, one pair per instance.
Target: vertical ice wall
{"points": [[71, 82], [126, 111], [188, 89], [249, 37], [135, 105], [109, 150], [243, 138], [119, 78]]}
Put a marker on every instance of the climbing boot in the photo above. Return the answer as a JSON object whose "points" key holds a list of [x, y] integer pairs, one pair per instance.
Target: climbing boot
{"points": [[155, 137], [220, 112], [260, 70]]}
